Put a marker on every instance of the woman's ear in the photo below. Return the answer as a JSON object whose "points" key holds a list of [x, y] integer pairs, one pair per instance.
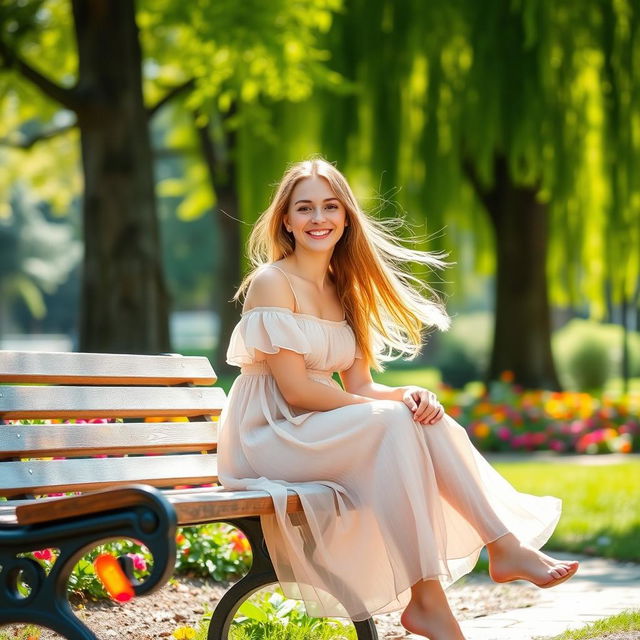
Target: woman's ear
{"points": [[285, 224]]}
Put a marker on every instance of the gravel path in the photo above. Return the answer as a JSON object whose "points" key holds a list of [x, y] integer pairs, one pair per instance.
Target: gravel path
{"points": [[184, 601]]}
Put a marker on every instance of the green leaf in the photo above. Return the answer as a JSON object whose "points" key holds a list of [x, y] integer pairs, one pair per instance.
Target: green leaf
{"points": [[247, 608]]}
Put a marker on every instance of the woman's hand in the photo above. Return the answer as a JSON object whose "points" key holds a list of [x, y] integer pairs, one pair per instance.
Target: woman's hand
{"points": [[423, 404]]}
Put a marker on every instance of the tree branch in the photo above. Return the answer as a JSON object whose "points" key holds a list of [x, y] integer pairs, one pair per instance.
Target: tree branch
{"points": [[11, 60], [469, 170], [27, 143], [170, 95]]}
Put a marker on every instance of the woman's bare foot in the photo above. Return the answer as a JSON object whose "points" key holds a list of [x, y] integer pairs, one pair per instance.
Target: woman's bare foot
{"points": [[509, 559], [428, 613]]}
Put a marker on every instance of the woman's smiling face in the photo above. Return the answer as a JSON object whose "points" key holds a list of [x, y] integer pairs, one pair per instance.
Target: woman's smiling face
{"points": [[315, 216]]}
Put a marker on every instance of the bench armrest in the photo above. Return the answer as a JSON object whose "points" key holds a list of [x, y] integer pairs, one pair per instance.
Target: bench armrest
{"points": [[95, 502]]}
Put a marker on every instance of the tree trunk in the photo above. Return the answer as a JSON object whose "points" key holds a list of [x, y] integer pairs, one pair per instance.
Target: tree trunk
{"points": [[222, 172], [124, 296], [625, 364], [522, 332]]}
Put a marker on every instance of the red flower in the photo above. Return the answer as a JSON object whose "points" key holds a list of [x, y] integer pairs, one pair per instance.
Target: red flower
{"points": [[139, 562]]}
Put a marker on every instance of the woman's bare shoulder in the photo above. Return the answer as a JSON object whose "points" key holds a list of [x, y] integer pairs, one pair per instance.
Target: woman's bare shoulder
{"points": [[269, 288]]}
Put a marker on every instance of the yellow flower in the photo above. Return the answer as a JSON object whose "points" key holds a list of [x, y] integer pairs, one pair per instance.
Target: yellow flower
{"points": [[184, 633]]}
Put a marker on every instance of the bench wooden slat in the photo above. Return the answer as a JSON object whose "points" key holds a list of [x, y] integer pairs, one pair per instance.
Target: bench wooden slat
{"points": [[218, 504], [192, 506], [68, 440], [53, 476], [104, 368], [17, 402]]}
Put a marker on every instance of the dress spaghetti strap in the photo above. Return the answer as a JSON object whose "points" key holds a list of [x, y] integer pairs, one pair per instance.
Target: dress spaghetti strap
{"points": [[296, 307]]}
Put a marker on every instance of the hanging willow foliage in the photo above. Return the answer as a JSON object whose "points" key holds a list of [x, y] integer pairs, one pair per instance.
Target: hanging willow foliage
{"points": [[549, 85]]}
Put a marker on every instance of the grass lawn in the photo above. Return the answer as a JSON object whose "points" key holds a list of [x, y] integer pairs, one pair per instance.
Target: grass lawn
{"points": [[624, 625], [601, 503]]}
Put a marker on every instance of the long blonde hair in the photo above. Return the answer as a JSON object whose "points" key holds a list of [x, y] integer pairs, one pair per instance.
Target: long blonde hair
{"points": [[386, 306]]}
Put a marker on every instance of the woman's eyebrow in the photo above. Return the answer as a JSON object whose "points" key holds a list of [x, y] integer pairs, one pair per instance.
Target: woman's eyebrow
{"points": [[325, 200]]}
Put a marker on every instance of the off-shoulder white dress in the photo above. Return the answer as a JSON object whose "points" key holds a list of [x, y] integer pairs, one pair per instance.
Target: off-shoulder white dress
{"points": [[406, 502]]}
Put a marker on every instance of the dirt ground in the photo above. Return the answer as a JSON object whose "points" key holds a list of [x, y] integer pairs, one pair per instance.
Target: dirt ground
{"points": [[184, 601]]}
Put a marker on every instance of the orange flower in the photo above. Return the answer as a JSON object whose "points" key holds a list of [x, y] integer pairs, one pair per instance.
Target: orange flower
{"points": [[481, 430], [240, 543], [499, 415], [454, 412], [507, 376], [625, 446]]}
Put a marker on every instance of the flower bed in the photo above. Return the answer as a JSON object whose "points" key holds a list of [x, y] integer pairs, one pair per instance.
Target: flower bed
{"points": [[504, 417]]}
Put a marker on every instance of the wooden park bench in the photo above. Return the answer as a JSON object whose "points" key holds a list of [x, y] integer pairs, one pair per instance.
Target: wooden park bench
{"points": [[124, 475]]}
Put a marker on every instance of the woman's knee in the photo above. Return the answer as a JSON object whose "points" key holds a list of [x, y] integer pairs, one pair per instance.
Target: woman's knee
{"points": [[390, 409], [391, 416]]}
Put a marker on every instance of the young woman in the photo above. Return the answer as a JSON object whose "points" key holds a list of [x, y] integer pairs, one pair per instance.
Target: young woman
{"points": [[411, 502]]}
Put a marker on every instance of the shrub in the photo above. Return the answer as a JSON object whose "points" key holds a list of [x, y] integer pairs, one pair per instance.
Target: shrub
{"points": [[456, 366], [217, 550], [587, 352], [588, 364], [462, 353]]}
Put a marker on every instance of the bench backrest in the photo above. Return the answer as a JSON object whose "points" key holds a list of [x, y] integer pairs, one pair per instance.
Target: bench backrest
{"points": [[150, 396]]}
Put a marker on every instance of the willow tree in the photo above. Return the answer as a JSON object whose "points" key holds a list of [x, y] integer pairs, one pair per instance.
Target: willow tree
{"points": [[528, 107]]}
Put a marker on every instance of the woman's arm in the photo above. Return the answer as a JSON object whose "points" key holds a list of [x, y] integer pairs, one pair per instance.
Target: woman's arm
{"points": [[422, 402], [289, 370]]}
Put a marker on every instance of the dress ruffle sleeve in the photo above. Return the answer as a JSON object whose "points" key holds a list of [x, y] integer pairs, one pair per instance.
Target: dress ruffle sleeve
{"points": [[266, 329]]}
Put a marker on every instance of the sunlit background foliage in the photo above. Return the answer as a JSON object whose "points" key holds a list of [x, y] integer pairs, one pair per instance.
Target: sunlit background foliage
{"points": [[472, 120]]}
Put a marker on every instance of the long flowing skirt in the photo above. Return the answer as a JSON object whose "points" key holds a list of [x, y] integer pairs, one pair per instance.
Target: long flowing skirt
{"points": [[405, 502]]}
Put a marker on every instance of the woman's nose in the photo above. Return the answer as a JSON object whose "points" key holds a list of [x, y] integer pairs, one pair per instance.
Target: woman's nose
{"points": [[318, 213]]}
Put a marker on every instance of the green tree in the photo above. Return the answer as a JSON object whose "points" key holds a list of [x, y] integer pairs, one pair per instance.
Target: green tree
{"points": [[520, 107], [124, 298], [233, 61], [215, 60]]}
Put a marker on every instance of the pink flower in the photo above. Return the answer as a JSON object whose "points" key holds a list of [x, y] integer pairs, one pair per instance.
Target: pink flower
{"points": [[628, 427], [139, 562], [576, 427], [504, 433], [538, 438], [43, 554], [557, 445]]}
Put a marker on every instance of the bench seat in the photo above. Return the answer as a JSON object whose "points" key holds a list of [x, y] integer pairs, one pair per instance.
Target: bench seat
{"points": [[134, 438]]}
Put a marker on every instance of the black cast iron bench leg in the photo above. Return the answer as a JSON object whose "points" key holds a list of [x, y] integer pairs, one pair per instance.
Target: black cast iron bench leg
{"points": [[261, 574], [151, 522]]}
